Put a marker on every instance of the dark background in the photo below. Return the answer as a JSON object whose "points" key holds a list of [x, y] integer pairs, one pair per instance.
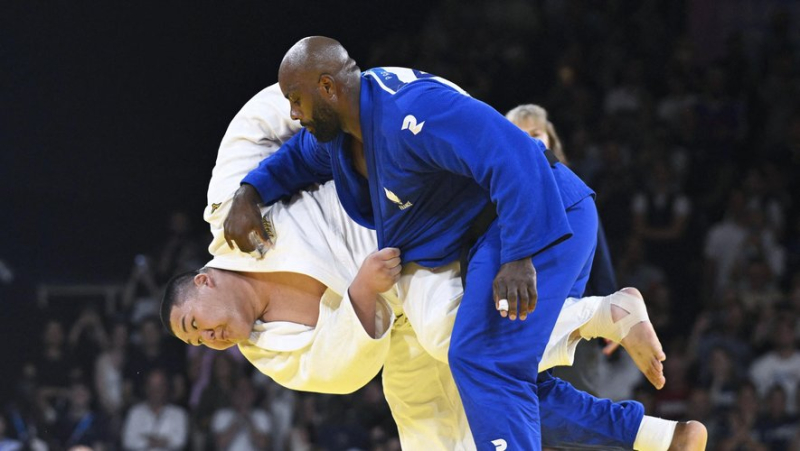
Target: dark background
{"points": [[113, 111]]}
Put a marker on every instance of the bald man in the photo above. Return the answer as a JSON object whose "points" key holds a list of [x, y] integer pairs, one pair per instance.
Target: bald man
{"points": [[424, 164]]}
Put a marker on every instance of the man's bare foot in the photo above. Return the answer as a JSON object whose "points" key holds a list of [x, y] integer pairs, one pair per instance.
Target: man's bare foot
{"points": [[642, 342], [689, 436]]}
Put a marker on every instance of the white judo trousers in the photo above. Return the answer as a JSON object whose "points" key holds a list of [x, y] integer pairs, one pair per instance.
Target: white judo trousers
{"points": [[313, 235]]}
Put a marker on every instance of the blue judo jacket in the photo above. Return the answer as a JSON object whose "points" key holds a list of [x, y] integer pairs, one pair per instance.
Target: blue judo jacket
{"points": [[436, 158]]}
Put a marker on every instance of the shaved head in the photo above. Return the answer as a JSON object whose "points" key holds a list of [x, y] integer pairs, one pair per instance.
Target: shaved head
{"points": [[322, 83], [314, 56]]}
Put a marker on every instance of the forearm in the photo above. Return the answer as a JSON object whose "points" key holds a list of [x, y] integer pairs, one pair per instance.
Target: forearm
{"points": [[298, 164], [364, 303]]}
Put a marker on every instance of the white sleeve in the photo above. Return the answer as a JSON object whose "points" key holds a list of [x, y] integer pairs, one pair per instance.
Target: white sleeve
{"points": [[178, 429], [337, 356], [256, 132]]}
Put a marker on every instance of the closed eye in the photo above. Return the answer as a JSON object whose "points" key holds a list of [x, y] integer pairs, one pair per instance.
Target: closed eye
{"points": [[194, 325]]}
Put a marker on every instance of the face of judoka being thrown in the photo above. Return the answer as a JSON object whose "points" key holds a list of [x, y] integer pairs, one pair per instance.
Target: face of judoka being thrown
{"points": [[213, 309]]}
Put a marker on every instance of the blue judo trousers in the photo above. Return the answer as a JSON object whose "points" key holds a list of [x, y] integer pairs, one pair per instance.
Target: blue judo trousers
{"points": [[495, 365]]}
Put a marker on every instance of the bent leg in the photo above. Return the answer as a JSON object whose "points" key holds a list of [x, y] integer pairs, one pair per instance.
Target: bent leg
{"points": [[495, 361], [572, 417]]}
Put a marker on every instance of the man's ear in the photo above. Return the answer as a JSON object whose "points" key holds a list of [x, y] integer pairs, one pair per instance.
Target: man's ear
{"points": [[203, 279], [327, 86]]}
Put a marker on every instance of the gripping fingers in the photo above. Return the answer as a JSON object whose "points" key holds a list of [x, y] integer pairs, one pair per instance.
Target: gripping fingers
{"points": [[395, 271], [389, 253]]}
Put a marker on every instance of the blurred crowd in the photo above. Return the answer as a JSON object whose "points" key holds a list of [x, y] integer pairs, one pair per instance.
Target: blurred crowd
{"points": [[693, 149]]}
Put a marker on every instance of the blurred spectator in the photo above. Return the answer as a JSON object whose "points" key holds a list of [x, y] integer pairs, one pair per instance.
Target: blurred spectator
{"points": [[373, 413], [25, 413], [155, 424], [614, 186], [723, 243], [720, 117], [758, 288], [780, 366], [792, 247], [6, 273], [737, 430], [701, 409], [676, 103], [308, 419], [108, 379], [151, 352], [635, 271], [80, 424], [279, 402], [218, 393], [50, 369], [340, 430], [661, 215], [760, 243], [242, 426], [181, 252], [659, 304], [86, 338], [673, 399], [764, 189], [629, 95], [724, 328], [6, 443], [775, 427], [142, 293], [721, 378], [617, 376], [201, 368], [778, 90]]}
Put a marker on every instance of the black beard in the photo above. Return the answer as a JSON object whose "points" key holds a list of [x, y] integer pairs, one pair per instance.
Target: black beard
{"points": [[326, 124]]}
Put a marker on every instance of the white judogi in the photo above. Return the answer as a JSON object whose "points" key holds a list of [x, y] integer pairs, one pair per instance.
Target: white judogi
{"points": [[312, 235]]}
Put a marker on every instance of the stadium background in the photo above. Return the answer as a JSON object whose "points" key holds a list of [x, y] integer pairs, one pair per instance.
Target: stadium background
{"points": [[112, 113]]}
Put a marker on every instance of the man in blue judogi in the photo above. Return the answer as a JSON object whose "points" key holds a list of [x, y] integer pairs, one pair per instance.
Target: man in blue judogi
{"points": [[443, 176]]}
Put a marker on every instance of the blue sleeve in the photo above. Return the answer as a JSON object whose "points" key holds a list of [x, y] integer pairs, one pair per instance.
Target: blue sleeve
{"points": [[300, 162], [467, 137]]}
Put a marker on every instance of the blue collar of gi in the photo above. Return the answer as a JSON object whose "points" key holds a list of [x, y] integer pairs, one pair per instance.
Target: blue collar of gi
{"points": [[366, 117]]}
